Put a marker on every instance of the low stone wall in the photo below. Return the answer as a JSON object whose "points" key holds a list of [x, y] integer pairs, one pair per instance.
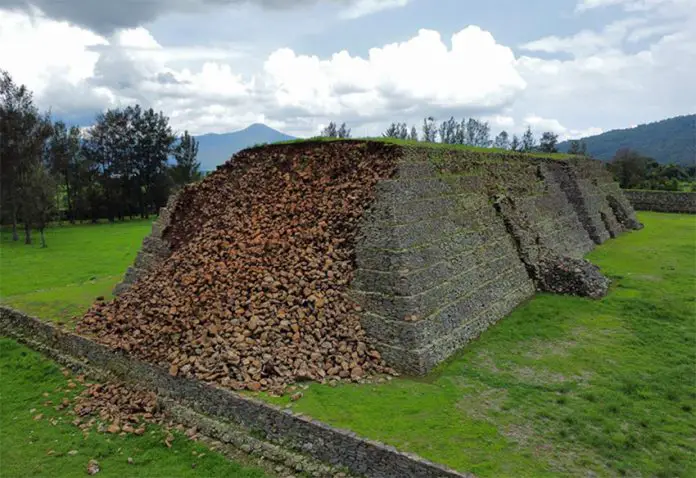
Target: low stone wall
{"points": [[327, 444], [662, 201]]}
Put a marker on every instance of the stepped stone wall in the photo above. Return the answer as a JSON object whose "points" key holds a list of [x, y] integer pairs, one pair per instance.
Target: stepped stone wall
{"points": [[155, 248], [457, 239], [662, 201]]}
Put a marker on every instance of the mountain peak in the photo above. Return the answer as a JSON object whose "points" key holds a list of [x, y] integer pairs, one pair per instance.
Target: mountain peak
{"points": [[258, 127], [216, 149]]}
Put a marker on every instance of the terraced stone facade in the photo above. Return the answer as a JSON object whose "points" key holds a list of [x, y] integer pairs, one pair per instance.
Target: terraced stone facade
{"points": [[457, 239], [155, 248]]}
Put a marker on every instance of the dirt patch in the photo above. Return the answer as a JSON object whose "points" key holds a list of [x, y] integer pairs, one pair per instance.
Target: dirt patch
{"points": [[536, 349], [481, 404]]}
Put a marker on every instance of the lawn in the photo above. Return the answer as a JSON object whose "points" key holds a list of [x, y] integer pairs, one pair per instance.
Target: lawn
{"points": [[81, 263], [37, 440], [564, 385]]}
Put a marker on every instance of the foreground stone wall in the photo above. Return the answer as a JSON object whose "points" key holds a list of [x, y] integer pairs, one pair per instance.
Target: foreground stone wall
{"points": [[662, 201], [457, 239], [330, 445]]}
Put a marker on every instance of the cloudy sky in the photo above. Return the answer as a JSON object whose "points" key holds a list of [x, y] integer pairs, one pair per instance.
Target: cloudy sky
{"points": [[577, 67]]}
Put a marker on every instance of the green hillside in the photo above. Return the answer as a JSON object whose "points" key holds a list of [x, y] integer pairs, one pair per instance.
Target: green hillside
{"points": [[668, 141]]}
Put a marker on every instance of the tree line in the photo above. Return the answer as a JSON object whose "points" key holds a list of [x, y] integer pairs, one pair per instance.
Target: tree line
{"points": [[467, 131], [633, 170], [120, 167]]}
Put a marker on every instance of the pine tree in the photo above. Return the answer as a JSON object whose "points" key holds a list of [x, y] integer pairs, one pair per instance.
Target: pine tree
{"points": [[515, 144], [392, 131], [23, 135], [331, 131], [63, 157], [429, 130], [528, 141], [187, 168], [343, 132]]}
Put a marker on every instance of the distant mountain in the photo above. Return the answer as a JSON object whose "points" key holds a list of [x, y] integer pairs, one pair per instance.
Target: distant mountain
{"points": [[215, 149], [668, 141]]}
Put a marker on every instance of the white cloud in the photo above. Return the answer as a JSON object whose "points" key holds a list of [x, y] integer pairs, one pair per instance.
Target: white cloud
{"points": [[399, 81], [637, 69], [36, 52], [603, 84], [631, 5], [475, 73], [107, 17], [500, 121], [587, 42], [362, 8], [540, 125]]}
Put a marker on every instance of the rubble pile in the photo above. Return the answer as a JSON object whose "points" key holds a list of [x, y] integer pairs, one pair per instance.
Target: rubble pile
{"points": [[253, 294], [118, 409]]}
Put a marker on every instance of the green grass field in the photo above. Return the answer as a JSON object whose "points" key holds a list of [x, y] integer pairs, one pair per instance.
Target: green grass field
{"points": [[52, 447], [563, 386], [58, 283], [81, 263]]}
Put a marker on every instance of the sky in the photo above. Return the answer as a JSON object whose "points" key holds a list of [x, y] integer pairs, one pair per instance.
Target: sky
{"points": [[574, 67]]}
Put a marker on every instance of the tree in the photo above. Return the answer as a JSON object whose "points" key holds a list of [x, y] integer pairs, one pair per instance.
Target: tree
{"points": [[331, 131], [515, 144], [392, 131], [108, 147], [470, 131], [343, 131], [528, 140], [429, 130], [583, 147], [38, 199], [574, 147], [63, 157], [448, 131], [482, 134], [460, 133], [414, 134], [443, 133], [549, 142], [23, 135], [630, 168], [187, 169], [502, 141], [397, 131], [152, 147], [129, 149]]}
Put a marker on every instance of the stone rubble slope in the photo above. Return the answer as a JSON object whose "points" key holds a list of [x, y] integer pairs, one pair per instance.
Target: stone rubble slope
{"points": [[253, 295]]}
